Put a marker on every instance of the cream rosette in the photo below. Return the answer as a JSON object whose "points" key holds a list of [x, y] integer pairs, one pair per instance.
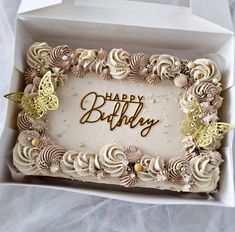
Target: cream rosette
{"points": [[67, 163], [168, 66], [38, 56], [205, 175], [152, 166], [24, 159], [86, 164], [205, 70], [118, 62], [113, 160]]}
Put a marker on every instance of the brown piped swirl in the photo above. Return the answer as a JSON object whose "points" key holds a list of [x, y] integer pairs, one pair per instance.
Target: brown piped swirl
{"points": [[24, 122], [48, 160], [60, 57], [138, 67], [133, 153], [105, 74], [38, 56], [205, 92], [30, 74], [181, 81], [177, 168], [129, 178], [78, 70], [26, 136], [102, 54], [153, 78]]}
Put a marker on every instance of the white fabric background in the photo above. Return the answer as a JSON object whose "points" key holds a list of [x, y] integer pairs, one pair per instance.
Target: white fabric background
{"points": [[34, 209]]}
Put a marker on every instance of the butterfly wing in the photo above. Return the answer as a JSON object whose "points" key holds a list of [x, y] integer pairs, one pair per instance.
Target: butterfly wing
{"points": [[212, 131], [192, 121], [15, 97], [46, 97], [46, 86]]}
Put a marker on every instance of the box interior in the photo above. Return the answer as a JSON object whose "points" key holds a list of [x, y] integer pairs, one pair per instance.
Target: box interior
{"points": [[150, 40]]}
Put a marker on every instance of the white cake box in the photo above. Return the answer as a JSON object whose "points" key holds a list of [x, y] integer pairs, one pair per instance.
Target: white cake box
{"points": [[205, 28]]}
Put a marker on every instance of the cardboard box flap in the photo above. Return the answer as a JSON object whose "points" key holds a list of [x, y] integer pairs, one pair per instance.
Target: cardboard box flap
{"points": [[27, 5], [215, 11], [118, 12]]}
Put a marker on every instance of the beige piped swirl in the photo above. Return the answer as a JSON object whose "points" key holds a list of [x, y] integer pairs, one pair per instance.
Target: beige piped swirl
{"points": [[49, 158], [67, 163], [177, 169], [132, 153], [139, 67], [60, 57], [118, 62], [26, 136], [113, 160], [189, 144], [153, 167], [214, 156], [24, 159], [168, 66], [205, 175], [205, 70], [86, 164], [24, 122], [38, 56]]}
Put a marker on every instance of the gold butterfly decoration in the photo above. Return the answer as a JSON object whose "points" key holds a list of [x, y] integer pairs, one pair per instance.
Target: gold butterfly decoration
{"points": [[203, 135], [36, 105]]}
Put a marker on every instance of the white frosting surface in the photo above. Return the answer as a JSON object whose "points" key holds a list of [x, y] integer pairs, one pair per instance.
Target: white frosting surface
{"points": [[160, 103]]}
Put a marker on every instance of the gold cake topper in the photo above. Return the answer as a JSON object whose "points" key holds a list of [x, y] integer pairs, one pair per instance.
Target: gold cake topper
{"points": [[202, 134], [36, 105]]}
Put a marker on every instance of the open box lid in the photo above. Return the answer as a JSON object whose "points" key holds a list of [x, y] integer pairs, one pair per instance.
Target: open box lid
{"points": [[199, 17]]}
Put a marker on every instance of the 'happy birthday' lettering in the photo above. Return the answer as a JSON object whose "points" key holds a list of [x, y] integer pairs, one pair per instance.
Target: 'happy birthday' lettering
{"points": [[118, 116]]}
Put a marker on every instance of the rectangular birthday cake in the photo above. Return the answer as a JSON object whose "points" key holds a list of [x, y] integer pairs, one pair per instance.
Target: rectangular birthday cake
{"points": [[113, 117]]}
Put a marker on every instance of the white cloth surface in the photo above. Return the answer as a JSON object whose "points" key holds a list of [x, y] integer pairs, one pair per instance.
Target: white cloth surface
{"points": [[26, 209]]}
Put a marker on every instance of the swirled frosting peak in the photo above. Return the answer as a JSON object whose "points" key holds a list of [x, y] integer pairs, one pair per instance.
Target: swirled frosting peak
{"points": [[205, 70], [48, 160], [168, 66], [118, 62], [86, 163], [38, 56], [205, 175], [67, 163], [113, 160], [24, 158]]}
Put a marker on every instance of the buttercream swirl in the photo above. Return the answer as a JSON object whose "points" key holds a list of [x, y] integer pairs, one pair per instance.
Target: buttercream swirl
{"points": [[216, 158], [86, 164], [205, 70], [153, 168], [24, 159], [168, 66], [48, 160], [38, 56], [113, 160], [105, 74], [181, 81], [24, 122], [152, 79], [129, 178], [30, 74], [189, 144], [118, 62], [26, 136], [205, 92], [205, 175], [138, 67], [132, 153], [78, 70], [67, 163], [60, 57], [177, 169]]}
